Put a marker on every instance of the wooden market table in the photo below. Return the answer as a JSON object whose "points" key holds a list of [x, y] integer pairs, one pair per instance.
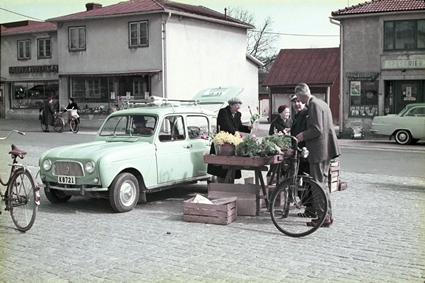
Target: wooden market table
{"points": [[256, 164]]}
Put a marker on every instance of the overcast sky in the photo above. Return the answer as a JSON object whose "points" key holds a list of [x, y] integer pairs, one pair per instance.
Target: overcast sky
{"points": [[300, 23]]}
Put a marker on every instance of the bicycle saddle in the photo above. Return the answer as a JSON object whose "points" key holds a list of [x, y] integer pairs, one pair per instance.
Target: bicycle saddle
{"points": [[17, 152]]}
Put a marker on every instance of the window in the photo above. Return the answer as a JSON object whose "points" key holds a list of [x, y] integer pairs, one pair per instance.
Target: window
{"points": [[404, 35], [363, 98], [44, 50], [138, 34], [93, 88], [77, 38], [32, 95], [197, 127], [140, 86], [24, 49], [172, 129]]}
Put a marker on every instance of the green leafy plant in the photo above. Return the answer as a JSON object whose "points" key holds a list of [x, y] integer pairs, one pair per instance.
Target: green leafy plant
{"points": [[268, 146]]}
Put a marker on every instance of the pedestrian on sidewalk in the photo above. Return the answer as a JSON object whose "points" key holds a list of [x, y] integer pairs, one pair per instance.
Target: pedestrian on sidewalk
{"points": [[47, 113]]}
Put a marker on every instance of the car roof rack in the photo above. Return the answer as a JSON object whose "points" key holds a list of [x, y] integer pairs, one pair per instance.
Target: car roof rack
{"points": [[160, 101]]}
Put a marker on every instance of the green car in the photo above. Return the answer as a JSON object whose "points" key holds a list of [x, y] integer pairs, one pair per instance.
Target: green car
{"points": [[153, 145], [407, 127]]}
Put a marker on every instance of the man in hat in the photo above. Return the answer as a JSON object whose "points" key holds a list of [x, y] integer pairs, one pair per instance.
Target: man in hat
{"points": [[228, 120], [139, 125]]}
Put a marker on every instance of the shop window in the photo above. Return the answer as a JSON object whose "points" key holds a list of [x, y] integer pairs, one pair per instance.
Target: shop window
{"points": [[77, 38], [363, 98], [32, 95], [404, 35], [90, 89], [140, 87], [24, 49], [138, 34], [43, 47]]}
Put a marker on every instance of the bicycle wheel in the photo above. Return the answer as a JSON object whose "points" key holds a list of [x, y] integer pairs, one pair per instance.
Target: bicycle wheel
{"points": [[74, 125], [288, 201], [23, 200], [58, 125]]}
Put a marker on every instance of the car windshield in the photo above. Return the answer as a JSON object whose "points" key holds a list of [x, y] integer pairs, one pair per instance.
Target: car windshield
{"points": [[129, 125]]}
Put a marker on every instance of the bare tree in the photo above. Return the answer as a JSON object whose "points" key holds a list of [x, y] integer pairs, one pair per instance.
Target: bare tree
{"points": [[261, 40]]}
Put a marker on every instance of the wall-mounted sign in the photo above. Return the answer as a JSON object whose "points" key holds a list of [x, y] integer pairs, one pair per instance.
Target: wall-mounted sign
{"points": [[355, 88], [34, 69], [403, 62]]}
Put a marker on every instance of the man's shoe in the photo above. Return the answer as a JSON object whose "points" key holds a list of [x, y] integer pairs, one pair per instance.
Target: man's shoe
{"points": [[326, 224], [307, 214]]}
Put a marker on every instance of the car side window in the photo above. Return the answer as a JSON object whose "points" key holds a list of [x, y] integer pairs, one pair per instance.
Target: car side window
{"points": [[418, 112], [172, 129], [197, 127]]}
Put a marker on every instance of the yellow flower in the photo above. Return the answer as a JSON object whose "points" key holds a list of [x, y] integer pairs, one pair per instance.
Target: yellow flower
{"points": [[226, 138]]}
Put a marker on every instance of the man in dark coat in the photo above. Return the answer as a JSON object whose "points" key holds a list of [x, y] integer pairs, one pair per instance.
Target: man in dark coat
{"points": [[48, 111], [320, 139], [228, 120]]}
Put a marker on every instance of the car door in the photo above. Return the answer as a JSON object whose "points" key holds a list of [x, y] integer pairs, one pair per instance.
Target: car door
{"points": [[198, 128], [414, 120], [173, 151]]}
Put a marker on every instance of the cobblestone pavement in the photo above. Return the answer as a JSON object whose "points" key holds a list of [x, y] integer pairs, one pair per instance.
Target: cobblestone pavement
{"points": [[377, 236]]}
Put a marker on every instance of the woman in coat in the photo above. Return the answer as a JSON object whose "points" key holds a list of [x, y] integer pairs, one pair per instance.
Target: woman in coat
{"points": [[48, 111], [228, 120], [282, 123]]}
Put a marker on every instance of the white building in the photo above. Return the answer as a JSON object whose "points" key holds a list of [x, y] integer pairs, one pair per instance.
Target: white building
{"points": [[138, 48]]}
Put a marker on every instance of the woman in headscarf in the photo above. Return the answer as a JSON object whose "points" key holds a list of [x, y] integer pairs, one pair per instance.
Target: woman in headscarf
{"points": [[282, 123]]}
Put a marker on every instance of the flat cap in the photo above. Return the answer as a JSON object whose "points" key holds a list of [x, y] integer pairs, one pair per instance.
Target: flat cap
{"points": [[293, 97], [234, 100]]}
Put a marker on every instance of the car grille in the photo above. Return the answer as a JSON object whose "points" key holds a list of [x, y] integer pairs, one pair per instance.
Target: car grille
{"points": [[67, 168]]}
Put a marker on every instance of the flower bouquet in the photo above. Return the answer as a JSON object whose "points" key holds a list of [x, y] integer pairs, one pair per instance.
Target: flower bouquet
{"points": [[254, 116], [225, 143]]}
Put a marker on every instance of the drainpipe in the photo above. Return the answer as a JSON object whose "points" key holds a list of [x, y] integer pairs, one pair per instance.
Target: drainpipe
{"points": [[164, 57], [341, 86]]}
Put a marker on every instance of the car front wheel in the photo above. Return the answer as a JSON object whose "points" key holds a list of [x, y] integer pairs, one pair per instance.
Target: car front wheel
{"points": [[403, 137], [124, 192]]}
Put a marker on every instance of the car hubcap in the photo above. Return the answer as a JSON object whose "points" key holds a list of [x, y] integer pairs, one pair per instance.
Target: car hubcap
{"points": [[127, 193], [402, 137]]}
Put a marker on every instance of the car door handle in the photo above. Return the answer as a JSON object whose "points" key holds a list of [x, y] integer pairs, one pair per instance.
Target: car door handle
{"points": [[188, 146]]}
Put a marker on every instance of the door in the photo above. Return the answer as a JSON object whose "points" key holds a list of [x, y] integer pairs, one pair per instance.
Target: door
{"points": [[407, 92]]}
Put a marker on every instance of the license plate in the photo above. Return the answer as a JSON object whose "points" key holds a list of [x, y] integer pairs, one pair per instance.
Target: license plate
{"points": [[66, 180]]}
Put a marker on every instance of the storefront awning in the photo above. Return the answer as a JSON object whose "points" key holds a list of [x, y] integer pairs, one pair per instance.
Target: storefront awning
{"points": [[132, 74]]}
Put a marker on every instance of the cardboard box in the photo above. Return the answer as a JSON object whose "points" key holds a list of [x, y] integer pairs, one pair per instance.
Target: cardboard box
{"points": [[222, 211], [248, 196]]}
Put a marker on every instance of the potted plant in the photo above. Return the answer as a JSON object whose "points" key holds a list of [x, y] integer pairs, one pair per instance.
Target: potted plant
{"points": [[225, 143]]}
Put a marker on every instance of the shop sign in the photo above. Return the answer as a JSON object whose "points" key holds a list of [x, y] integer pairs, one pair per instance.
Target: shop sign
{"points": [[34, 69], [403, 64]]}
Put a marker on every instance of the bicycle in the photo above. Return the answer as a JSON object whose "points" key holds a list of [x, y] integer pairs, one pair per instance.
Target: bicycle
{"points": [[295, 194], [59, 122], [22, 196]]}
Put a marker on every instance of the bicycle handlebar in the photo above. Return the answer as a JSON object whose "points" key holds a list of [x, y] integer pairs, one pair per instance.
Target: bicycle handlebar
{"points": [[13, 131]]}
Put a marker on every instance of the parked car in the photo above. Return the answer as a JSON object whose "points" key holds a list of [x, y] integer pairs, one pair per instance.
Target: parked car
{"points": [[151, 146], [407, 127]]}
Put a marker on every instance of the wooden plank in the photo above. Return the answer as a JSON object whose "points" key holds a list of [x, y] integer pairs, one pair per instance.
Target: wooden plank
{"points": [[223, 211], [242, 161]]}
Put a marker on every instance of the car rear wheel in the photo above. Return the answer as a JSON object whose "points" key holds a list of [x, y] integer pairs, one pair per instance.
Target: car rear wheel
{"points": [[56, 196], [124, 192], [403, 137]]}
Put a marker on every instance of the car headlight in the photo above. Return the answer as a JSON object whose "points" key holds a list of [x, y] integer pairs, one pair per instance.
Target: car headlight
{"points": [[47, 164], [90, 167]]}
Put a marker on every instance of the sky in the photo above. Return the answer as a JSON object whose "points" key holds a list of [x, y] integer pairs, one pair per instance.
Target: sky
{"points": [[299, 23]]}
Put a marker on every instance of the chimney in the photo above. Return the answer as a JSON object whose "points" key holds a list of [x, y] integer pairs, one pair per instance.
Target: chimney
{"points": [[93, 6]]}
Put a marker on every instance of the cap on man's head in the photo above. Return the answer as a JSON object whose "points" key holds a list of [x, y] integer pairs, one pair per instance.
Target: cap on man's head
{"points": [[282, 108], [234, 100], [293, 97], [49, 98]]}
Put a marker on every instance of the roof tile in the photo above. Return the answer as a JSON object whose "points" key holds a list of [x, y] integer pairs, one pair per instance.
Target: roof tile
{"points": [[382, 6], [315, 66]]}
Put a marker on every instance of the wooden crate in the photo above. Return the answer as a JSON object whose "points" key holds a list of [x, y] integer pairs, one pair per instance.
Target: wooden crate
{"points": [[333, 179], [223, 211], [242, 161]]}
